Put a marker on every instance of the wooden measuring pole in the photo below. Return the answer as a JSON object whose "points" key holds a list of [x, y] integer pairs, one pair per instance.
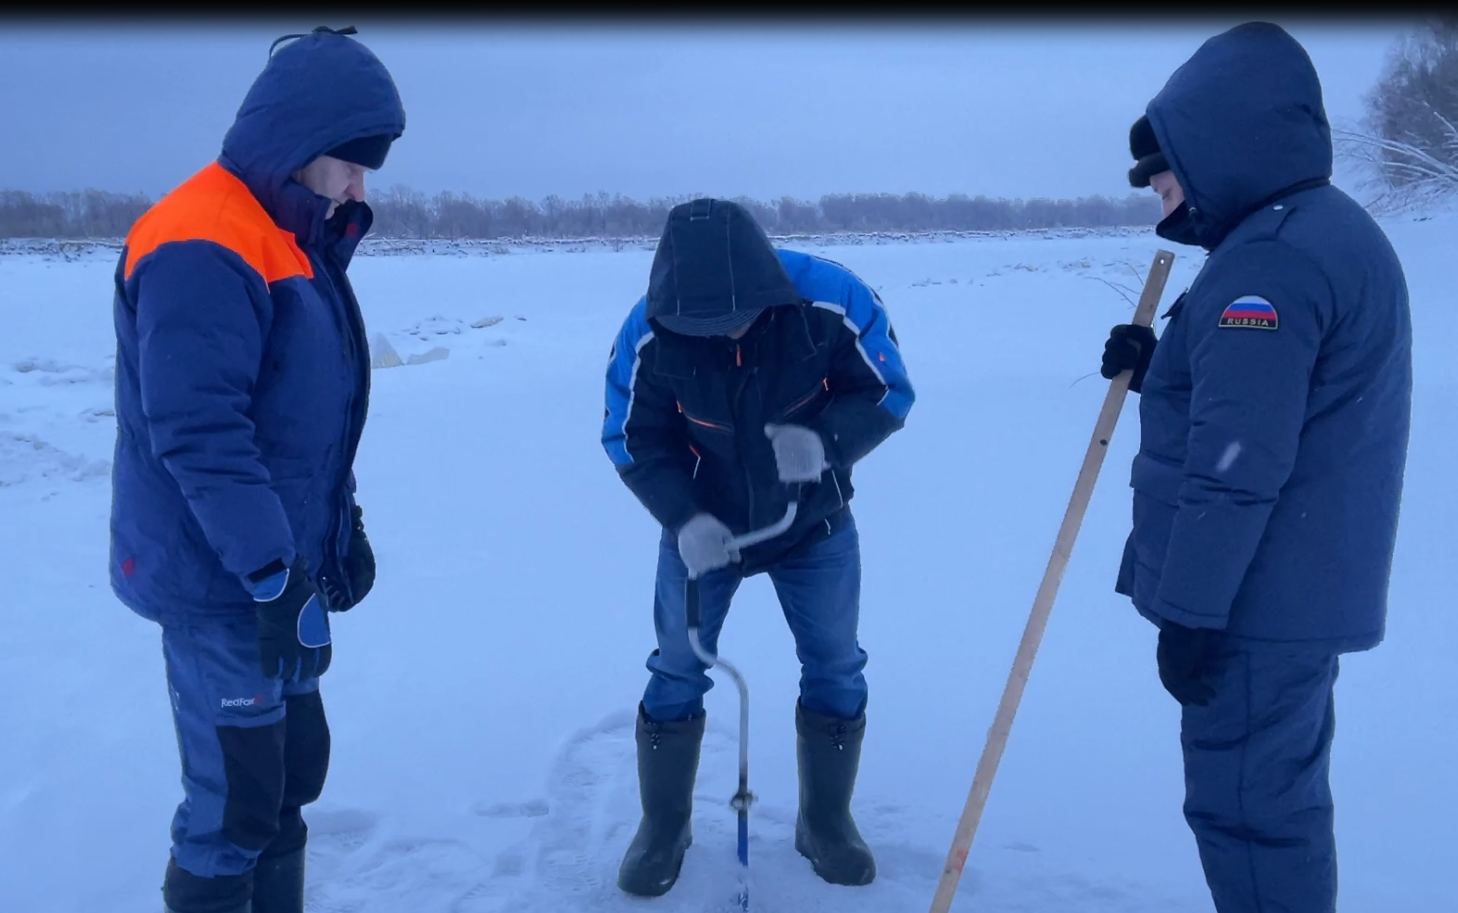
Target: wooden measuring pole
{"points": [[1017, 680]]}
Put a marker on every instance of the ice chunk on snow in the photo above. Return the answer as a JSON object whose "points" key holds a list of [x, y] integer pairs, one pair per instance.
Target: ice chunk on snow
{"points": [[382, 354], [439, 353]]}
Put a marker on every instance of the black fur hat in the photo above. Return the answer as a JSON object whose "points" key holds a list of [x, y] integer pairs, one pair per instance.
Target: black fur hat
{"points": [[1149, 160]]}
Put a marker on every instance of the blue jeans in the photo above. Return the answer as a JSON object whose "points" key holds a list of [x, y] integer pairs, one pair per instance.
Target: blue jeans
{"points": [[254, 750], [1257, 792], [819, 591]]}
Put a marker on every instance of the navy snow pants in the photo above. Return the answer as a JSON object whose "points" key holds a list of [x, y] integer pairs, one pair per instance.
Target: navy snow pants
{"points": [[254, 750], [819, 590], [1257, 793]]}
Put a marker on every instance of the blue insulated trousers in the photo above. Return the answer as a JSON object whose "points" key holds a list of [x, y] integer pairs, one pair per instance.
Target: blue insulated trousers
{"points": [[254, 750], [1257, 793]]}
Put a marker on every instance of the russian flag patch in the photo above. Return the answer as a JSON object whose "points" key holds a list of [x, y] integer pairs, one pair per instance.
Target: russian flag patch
{"points": [[1250, 311]]}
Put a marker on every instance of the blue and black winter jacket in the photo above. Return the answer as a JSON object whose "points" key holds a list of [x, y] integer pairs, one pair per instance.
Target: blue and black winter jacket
{"points": [[685, 416]]}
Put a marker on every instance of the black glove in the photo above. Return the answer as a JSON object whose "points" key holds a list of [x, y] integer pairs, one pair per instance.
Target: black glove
{"points": [[293, 628], [1184, 657], [359, 562], [1129, 348]]}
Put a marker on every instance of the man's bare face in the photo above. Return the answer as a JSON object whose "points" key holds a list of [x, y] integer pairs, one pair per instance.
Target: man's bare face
{"points": [[1169, 190], [334, 178]]}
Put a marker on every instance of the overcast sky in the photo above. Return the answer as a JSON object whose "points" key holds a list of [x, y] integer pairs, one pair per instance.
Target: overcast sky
{"points": [[500, 109]]}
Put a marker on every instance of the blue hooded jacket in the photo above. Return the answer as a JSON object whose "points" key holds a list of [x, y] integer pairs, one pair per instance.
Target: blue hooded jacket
{"points": [[684, 415], [242, 377], [1274, 416]]}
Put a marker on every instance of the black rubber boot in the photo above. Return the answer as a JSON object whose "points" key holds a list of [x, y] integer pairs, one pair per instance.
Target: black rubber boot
{"points": [[278, 883], [668, 762], [184, 892], [828, 751]]}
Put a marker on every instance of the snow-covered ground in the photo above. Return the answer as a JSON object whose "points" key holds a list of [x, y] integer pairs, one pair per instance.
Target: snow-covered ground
{"points": [[481, 699]]}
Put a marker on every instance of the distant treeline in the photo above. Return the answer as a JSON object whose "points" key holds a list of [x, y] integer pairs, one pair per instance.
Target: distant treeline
{"points": [[78, 214], [404, 213]]}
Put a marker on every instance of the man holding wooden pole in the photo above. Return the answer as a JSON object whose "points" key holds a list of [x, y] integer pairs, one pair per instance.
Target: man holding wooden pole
{"points": [[1274, 420]]}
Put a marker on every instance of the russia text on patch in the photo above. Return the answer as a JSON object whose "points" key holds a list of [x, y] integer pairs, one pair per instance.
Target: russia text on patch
{"points": [[1250, 311]]}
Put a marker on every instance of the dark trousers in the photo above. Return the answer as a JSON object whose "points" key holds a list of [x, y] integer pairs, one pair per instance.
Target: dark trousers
{"points": [[1257, 792]]}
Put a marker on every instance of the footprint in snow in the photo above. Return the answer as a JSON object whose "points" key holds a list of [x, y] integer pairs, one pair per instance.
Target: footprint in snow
{"points": [[534, 808], [356, 866]]}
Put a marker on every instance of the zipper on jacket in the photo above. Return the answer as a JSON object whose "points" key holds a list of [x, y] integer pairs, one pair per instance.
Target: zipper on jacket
{"points": [[804, 400], [744, 380], [705, 423], [714, 425], [353, 337]]}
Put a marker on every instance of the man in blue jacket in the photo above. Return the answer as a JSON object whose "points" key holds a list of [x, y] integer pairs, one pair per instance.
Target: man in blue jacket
{"points": [[1274, 419], [745, 377], [242, 385]]}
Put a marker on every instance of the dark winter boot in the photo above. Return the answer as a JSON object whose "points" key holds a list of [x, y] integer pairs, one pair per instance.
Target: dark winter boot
{"points": [[278, 883], [829, 753], [184, 892], [668, 761]]}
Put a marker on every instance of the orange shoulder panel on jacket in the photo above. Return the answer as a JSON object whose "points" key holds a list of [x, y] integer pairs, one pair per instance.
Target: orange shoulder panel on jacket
{"points": [[214, 205]]}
